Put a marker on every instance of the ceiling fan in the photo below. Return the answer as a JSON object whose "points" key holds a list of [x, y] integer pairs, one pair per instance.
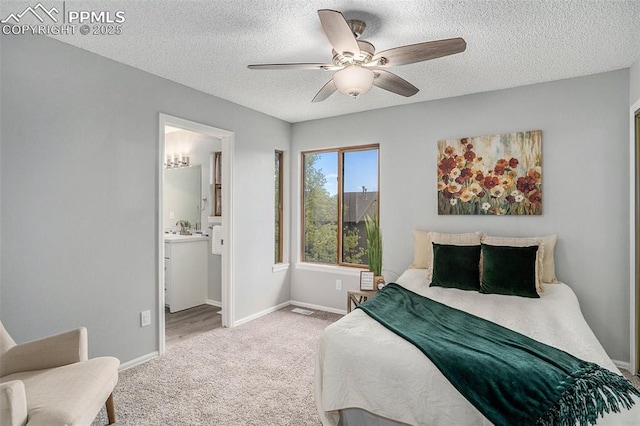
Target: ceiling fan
{"points": [[357, 65]]}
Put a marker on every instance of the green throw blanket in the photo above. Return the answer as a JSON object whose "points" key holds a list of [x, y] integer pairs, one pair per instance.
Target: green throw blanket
{"points": [[510, 378]]}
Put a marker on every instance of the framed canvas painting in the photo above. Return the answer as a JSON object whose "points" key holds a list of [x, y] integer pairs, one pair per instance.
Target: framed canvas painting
{"points": [[491, 175]]}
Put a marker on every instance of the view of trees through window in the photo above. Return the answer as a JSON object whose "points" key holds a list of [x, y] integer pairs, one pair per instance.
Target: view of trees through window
{"points": [[278, 173], [340, 190]]}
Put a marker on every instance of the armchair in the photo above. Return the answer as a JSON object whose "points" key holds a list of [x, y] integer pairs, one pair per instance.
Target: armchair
{"points": [[51, 381]]}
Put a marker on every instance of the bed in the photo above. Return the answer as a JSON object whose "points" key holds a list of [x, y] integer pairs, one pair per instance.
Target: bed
{"points": [[366, 374]]}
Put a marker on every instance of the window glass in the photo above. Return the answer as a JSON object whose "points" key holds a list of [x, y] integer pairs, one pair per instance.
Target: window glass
{"points": [[278, 181], [359, 200], [320, 207], [340, 189]]}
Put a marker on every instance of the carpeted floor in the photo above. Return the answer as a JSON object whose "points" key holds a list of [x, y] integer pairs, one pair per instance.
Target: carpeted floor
{"points": [[203, 381]]}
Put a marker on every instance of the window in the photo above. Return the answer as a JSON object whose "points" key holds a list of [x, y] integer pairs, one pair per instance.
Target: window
{"points": [[278, 174], [340, 189]]}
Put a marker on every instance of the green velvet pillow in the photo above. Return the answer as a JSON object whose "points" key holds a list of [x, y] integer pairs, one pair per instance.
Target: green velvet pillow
{"points": [[456, 266], [509, 270]]}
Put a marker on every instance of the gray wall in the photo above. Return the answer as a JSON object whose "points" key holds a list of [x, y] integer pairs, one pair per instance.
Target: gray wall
{"points": [[634, 83], [585, 133], [79, 194]]}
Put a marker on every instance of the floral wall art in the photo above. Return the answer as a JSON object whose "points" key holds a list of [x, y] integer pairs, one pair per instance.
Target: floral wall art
{"points": [[491, 175]]}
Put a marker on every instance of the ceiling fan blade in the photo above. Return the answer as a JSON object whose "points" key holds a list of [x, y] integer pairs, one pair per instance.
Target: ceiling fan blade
{"points": [[389, 81], [418, 52], [292, 66], [326, 91], [338, 32]]}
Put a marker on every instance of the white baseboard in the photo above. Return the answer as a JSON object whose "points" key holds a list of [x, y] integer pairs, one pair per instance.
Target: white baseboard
{"points": [[140, 360], [318, 307], [214, 303], [260, 314], [622, 365]]}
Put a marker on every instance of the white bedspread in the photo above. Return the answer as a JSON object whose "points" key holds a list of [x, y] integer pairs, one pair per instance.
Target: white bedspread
{"points": [[361, 364]]}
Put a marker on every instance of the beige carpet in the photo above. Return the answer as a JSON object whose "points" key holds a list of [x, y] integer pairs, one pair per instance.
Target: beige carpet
{"points": [[260, 373]]}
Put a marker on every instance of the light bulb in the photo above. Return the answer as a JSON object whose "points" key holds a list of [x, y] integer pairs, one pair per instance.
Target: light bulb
{"points": [[353, 80]]}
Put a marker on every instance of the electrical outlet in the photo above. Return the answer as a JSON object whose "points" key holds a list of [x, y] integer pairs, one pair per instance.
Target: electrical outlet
{"points": [[338, 284], [145, 318]]}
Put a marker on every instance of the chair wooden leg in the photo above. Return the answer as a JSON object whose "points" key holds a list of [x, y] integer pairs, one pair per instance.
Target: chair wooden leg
{"points": [[111, 411]]}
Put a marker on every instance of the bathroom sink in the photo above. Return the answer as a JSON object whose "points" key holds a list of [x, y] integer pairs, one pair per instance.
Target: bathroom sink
{"points": [[178, 237]]}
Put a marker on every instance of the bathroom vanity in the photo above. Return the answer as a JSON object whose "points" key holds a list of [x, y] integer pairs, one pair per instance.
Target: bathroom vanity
{"points": [[185, 277]]}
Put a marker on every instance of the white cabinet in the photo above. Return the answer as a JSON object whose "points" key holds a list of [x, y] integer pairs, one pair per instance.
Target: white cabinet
{"points": [[185, 271]]}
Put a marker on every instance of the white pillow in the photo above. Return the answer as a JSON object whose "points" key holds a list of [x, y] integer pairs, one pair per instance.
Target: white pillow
{"points": [[422, 251], [465, 239], [549, 269], [522, 242]]}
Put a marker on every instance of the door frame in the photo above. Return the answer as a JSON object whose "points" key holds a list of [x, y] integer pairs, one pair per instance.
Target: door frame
{"points": [[228, 148], [634, 253]]}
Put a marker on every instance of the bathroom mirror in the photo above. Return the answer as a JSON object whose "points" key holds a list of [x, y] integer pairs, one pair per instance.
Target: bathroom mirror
{"points": [[182, 196]]}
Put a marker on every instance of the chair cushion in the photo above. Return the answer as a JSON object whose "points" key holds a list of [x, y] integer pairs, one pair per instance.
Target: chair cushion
{"points": [[13, 403], [69, 395]]}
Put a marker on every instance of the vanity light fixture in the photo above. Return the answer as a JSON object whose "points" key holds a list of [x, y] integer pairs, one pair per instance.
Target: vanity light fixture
{"points": [[177, 161]]}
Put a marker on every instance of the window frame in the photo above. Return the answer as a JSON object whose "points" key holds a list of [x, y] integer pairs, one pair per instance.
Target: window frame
{"points": [[280, 207], [340, 186]]}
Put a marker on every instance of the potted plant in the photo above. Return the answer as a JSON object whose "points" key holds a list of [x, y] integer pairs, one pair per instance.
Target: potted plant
{"points": [[185, 226], [374, 249]]}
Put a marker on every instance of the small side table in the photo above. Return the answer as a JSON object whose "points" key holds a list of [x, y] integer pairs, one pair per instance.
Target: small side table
{"points": [[355, 298]]}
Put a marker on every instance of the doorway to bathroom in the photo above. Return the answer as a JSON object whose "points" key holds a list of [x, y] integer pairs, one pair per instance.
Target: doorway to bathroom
{"points": [[634, 366], [195, 225]]}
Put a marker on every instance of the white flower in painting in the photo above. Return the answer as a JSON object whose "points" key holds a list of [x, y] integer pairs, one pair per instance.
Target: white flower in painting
{"points": [[466, 196], [454, 173], [519, 198], [475, 188], [515, 193], [497, 191], [453, 201], [486, 206], [454, 187]]}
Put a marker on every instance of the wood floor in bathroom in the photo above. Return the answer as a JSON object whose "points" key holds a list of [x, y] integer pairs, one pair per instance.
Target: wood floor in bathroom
{"points": [[190, 322]]}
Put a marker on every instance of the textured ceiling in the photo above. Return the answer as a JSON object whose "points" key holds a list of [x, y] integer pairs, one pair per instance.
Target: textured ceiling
{"points": [[207, 45]]}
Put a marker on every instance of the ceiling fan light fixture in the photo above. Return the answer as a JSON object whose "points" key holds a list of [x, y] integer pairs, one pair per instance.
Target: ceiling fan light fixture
{"points": [[353, 80]]}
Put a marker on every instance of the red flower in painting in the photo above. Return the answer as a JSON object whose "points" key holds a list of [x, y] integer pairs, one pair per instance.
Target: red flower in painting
{"points": [[466, 173], [513, 163], [469, 155], [449, 150], [447, 164], [479, 177], [501, 165], [469, 146], [446, 194], [535, 173], [460, 179], [445, 178], [510, 199], [526, 184], [490, 182], [536, 198]]}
